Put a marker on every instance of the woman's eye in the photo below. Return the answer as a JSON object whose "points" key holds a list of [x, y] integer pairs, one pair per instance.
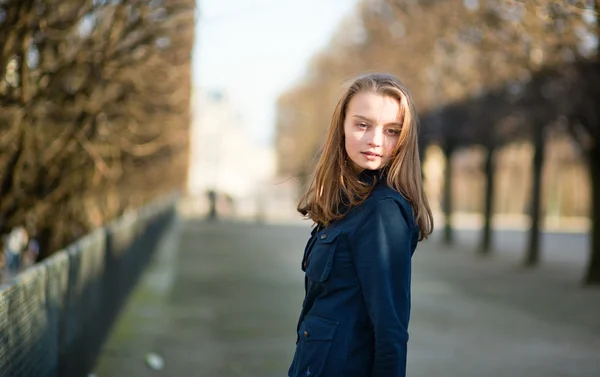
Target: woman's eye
{"points": [[362, 125], [393, 132]]}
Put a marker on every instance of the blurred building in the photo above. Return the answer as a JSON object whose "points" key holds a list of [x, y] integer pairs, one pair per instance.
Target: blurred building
{"points": [[223, 156]]}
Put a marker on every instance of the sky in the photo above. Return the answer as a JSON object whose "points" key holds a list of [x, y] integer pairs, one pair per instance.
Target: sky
{"points": [[253, 50]]}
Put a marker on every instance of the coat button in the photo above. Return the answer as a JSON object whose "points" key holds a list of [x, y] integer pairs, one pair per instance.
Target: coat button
{"points": [[306, 334], [323, 236]]}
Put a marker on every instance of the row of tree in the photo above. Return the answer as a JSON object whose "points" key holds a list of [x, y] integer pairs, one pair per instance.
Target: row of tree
{"points": [[484, 72], [94, 110]]}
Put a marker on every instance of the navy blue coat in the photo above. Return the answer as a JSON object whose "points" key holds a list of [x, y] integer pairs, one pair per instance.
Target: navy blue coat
{"points": [[355, 315]]}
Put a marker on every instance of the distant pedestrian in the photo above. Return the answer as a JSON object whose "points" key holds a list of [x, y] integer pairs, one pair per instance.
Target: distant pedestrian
{"points": [[212, 204], [33, 251], [15, 245], [230, 205], [369, 209]]}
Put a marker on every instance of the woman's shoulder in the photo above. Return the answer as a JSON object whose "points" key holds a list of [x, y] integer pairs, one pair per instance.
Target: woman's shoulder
{"points": [[385, 200], [384, 206], [383, 192]]}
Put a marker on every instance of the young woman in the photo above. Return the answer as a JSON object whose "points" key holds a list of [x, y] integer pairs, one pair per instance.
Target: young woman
{"points": [[367, 202]]}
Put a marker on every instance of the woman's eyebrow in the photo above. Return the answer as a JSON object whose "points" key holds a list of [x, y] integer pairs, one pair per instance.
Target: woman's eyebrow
{"points": [[362, 117]]}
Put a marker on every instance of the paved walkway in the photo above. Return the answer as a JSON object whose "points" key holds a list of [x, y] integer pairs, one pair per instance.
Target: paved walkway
{"points": [[222, 299]]}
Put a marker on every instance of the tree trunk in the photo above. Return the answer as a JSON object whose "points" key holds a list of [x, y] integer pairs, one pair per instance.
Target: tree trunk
{"points": [[490, 170], [447, 207], [593, 271], [422, 147], [533, 251]]}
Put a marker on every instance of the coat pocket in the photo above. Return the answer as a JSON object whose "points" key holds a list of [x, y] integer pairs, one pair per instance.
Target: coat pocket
{"points": [[320, 258], [316, 335]]}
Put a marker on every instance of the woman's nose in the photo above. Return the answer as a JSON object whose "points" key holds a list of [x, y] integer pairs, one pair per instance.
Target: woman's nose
{"points": [[376, 139]]}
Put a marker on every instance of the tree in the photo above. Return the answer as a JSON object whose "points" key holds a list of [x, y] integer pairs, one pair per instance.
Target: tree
{"points": [[95, 103]]}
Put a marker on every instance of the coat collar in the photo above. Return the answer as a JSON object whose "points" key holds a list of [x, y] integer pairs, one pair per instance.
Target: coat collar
{"points": [[372, 176]]}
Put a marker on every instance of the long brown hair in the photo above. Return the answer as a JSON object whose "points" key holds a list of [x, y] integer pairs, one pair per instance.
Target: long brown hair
{"points": [[334, 184]]}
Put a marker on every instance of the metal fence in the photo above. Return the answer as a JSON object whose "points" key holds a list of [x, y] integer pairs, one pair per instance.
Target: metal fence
{"points": [[55, 315]]}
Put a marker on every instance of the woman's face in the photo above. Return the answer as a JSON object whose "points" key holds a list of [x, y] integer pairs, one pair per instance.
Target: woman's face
{"points": [[371, 128]]}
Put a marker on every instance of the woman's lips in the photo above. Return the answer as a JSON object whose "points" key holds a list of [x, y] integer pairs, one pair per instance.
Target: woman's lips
{"points": [[371, 155]]}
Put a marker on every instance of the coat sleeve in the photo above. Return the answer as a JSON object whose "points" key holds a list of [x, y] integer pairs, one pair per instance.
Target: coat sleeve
{"points": [[381, 249]]}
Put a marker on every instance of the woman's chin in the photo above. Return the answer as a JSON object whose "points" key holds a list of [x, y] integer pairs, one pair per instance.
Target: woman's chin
{"points": [[366, 165], [371, 166]]}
